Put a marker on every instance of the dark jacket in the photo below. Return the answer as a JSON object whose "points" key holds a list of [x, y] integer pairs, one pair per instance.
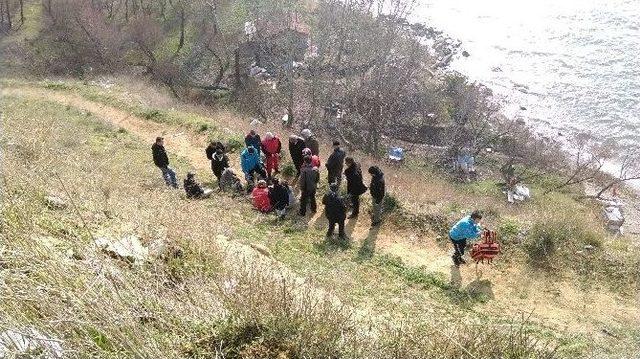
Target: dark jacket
{"points": [[295, 150], [335, 162], [211, 149], [309, 177], [334, 207], [312, 144], [377, 184], [279, 197], [355, 185], [192, 188], [219, 163], [160, 157], [254, 141]]}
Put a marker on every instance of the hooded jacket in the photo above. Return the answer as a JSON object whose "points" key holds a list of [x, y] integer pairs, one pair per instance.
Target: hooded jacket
{"points": [[260, 196], [335, 162], [295, 150], [466, 228], [309, 177], [377, 186], [253, 141], [355, 185], [334, 207], [249, 161], [160, 157], [192, 188], [218, 163], [271, 146], [279, 196], [312, 144]]}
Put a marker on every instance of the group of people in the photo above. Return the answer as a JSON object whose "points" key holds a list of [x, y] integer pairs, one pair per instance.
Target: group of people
{"points": [[260, 164], [272, 194]]}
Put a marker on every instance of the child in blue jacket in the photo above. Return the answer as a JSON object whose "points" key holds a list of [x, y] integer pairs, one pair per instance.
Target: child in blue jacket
{"points": [[467, 228]]}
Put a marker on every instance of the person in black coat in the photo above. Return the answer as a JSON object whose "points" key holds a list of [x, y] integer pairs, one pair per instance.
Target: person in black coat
{"points": [[213, 147], [296, 145], [253, 139], [335, 164], [355, 185], [161, 160], [377, 190], [219, 161], [193, 189], [335, 210], [279, 198]]}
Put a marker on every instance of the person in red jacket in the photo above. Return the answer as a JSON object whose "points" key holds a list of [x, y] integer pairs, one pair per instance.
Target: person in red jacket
{"points": [[271, 148], [260, 197]]}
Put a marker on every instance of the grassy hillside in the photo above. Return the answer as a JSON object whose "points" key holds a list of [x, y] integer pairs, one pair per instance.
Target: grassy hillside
{"points": [[389, 293]]}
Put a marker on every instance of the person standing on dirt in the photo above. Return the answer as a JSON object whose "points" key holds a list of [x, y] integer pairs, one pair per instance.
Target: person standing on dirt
{"points": [[355, 185], [311, 142], [253, 139], [219, 160], [251, 165], [296, 145], [335, 210], [271, 146], [335, 164], [468, 228], [309, 177], [377, 190], [212, 148], [161, 160]]}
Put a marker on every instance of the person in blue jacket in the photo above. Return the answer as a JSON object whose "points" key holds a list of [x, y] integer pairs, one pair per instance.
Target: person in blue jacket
{"points": [[251, 164], [468, 228]]}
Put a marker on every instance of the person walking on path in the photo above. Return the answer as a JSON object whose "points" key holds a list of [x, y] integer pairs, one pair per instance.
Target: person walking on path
{"points": [[161, 160], [377, 190], [468, 228], [311, 142], [296, 145], [309, 177], [271, 146], [355, 185], [335, 164], [279, 197], [251, 165], [335, 211], [253, 139]]}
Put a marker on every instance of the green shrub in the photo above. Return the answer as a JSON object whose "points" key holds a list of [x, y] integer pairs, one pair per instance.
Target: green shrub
{"points": [[550, 233], [288, 170], [235, 143], [508, 229]]}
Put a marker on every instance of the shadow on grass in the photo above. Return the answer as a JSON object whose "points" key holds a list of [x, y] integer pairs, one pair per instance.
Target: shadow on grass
{"points": [[368, 247]]}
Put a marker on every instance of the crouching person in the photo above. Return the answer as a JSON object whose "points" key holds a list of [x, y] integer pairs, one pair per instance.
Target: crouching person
{"points": [[260, 197], [229, 181], [194, 189], [279, 198], [468, 228], [335, 210]]}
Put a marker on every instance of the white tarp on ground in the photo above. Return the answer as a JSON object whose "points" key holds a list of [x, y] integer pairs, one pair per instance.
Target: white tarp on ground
{"points": [[519, 194], [614, 216]]}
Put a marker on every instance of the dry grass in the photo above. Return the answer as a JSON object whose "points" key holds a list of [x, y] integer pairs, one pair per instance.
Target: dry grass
{"points": [[107, 172]]}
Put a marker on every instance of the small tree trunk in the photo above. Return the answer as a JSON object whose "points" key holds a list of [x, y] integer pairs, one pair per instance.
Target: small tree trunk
{"points": [[236, 55], [21, 12]]}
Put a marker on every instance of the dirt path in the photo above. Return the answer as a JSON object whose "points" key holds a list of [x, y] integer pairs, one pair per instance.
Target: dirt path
{"points": [[510, 291]]}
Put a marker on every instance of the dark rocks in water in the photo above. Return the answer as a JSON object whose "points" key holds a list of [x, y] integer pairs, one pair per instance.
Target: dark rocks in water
{"points": [[465, 53], [523, 108]]}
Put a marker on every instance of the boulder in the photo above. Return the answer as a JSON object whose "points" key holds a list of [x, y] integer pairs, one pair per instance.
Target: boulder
{"points": [[55, 202], [128, 248], [28, 343]]}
